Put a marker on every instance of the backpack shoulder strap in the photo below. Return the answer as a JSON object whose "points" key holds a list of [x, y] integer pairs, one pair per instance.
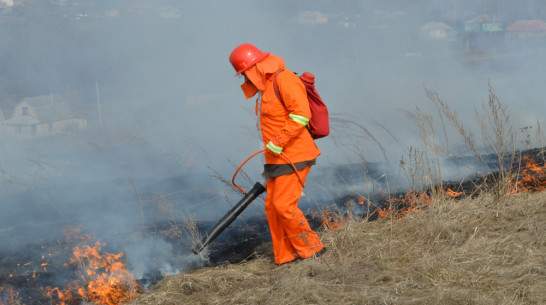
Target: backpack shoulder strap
{"points": [[276, 87], [279, 96]]}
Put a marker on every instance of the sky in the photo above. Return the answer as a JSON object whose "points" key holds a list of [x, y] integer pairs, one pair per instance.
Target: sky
{"points": [[174, 124]]}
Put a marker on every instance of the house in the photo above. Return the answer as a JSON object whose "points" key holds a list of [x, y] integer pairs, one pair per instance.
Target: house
{"points": [[168, 12], [484, 24], [526, 29], [41, 116], [483, 32], [435, 31], [312, 18]]}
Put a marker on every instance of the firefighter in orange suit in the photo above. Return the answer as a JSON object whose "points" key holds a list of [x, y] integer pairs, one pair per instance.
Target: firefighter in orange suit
{"points": [[283, 129]]}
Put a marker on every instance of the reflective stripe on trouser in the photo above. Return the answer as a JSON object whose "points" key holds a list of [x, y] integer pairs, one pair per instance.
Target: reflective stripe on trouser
{"points": [[290, 231]]}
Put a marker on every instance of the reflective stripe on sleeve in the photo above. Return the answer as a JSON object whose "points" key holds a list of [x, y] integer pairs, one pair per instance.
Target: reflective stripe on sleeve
{"points": [[274, 148], [299, 119]]}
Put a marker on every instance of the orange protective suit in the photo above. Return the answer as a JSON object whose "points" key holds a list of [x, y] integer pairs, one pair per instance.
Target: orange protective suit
{"points": [[283, 127]]}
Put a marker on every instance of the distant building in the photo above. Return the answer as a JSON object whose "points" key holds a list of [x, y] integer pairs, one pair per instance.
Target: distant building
{"points": [[484, 24], [151, 8], [526, 29], [168, 12], [41, 116], [312, 17], [436, 31], [483, 32], [346, 20]]}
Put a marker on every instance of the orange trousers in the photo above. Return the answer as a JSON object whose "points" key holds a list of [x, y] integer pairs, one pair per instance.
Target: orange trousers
{"points": [[291, 234]]}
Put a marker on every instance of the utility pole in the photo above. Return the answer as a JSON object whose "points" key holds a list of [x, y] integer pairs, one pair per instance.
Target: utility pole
{"points": [[98, 103]]}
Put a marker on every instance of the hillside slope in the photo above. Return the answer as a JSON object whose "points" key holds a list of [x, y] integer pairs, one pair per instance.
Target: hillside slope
{"points": [[472, 251]]}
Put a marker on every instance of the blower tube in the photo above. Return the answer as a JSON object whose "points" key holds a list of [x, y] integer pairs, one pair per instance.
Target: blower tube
{"points": [[225, 221]]}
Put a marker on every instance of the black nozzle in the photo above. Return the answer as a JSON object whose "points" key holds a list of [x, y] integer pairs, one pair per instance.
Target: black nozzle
{"points": [[225, 221]]}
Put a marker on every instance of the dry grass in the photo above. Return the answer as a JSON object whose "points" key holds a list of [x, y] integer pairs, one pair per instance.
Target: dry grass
{"points": [[473, 251]]}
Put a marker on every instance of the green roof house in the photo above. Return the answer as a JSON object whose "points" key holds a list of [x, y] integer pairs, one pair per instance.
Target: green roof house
{"points": [[484, 24]]}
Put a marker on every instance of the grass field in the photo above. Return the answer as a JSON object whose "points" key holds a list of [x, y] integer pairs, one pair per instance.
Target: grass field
{"points": [[471, 251]]}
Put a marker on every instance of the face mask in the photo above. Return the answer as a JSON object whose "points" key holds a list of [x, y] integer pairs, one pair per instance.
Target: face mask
{"points": [[249, 89]]}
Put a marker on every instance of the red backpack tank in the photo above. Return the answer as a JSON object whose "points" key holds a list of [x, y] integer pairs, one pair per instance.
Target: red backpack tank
{"points": [[319, 125]]}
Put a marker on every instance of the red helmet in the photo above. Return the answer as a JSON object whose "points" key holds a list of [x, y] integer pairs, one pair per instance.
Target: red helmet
{"points": [[244, 56]]}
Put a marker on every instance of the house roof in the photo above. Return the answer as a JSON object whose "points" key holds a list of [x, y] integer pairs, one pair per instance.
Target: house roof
{"points": [[49, 108], [527, 25], [484, 18]]}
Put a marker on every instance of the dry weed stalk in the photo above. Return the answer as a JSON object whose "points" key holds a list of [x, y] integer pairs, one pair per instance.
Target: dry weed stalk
{"points": [[415, 169], [453, 118], [139, 200], [353, 131], [540, 135], [497, 133], [190, 229]]}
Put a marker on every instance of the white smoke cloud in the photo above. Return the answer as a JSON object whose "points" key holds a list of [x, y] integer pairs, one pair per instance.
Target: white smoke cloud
{"points": [[173, 114]]}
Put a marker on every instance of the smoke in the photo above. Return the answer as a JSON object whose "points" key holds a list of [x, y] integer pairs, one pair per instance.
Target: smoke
{"points": [[165, 116], [8, 3]]}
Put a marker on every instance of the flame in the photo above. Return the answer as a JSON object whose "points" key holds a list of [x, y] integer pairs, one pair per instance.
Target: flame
{"points": [[532, 178], [332, 220], [9, 296], [451, 193], [386, 212], [102, 278], [411, 202], [62, 296]]}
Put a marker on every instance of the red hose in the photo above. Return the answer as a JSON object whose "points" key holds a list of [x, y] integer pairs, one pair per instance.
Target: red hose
{"points": [[252, 156]]}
